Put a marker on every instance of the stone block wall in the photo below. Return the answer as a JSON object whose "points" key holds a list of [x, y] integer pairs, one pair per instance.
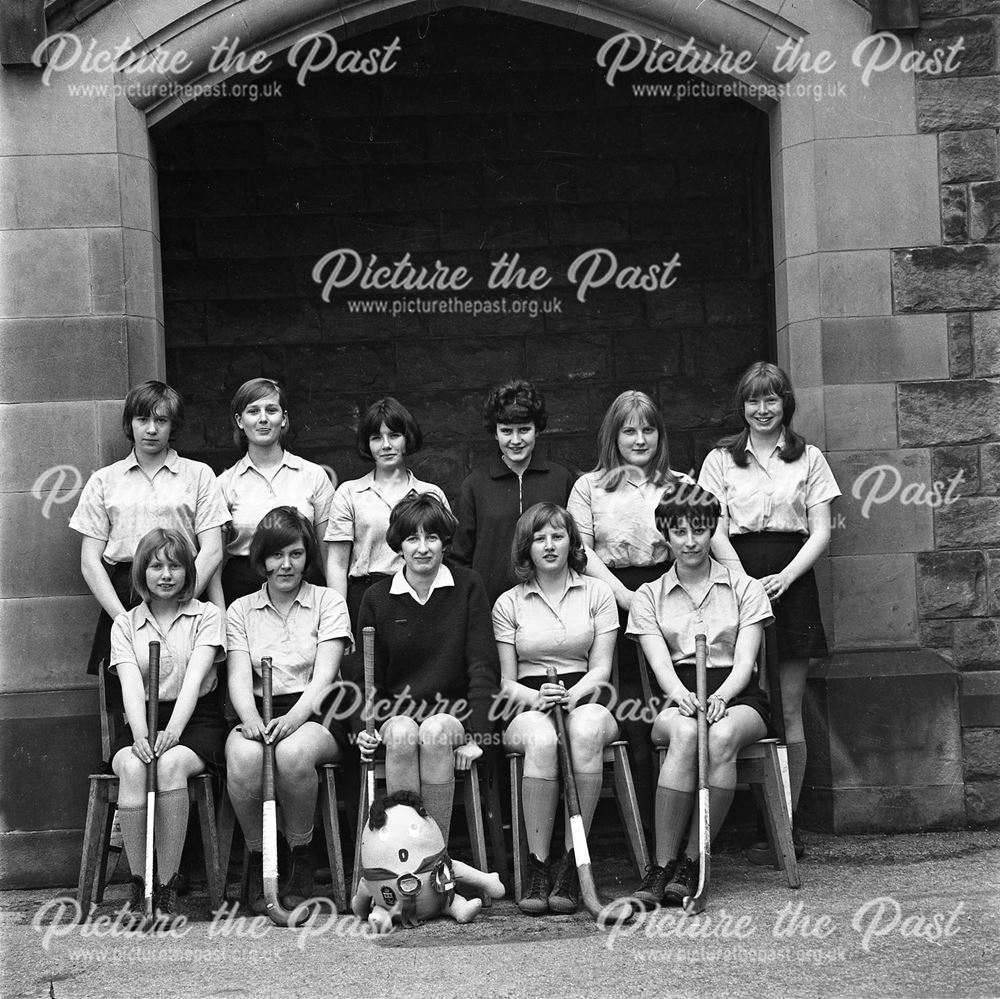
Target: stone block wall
{"points": [[956, 418], [492, 135]]}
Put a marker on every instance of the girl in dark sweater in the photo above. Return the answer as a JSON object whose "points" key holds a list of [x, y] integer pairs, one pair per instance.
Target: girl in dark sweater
{"points": [[436, 666]]}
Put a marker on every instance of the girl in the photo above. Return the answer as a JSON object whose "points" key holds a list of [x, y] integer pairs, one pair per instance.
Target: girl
{"points": [[305, 630], [191, 731], [358, 554], [555, 617], [435, 659], [496, 494], [697, 595], [613, 507], [776, 492], [266, 476], [152, 487]]}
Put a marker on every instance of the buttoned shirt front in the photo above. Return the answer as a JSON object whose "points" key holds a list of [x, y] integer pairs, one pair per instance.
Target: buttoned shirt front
{"points": [[121, 503], [556, 633], [255, 626], [769, 494], [250, 492], [400, 584], [360, 514], [620, 525], [731, 602], [196, 623]]}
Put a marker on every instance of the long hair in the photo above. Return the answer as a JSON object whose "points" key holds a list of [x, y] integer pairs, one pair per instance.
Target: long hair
{"points": [[533, 519], [175, 548], [609, 460], [764, 378], [252, 391]]}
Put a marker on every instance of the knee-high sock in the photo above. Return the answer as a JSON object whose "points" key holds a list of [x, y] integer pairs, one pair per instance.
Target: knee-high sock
{"points": [[673, 812], [719, 801], [540, 798], [588, 788], [439, 798], [172, 808], [133, 823], [796, 770]]}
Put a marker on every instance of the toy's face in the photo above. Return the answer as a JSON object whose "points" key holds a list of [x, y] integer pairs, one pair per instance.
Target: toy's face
{"points": [[401, 848]]}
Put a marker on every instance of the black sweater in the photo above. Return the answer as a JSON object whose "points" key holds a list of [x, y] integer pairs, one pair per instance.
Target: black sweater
{"points": [[443, 651]]}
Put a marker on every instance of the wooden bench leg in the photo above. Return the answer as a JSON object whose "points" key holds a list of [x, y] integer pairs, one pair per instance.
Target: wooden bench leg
{"points": [[628, 808], [474, 818], [96, 829], [518, 834], [205, 801], [494, 819], [779, 827], [331, 830], [225, 824]]}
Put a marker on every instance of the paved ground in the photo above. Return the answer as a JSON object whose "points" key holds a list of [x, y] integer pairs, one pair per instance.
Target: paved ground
{"points": [[915, 915]]}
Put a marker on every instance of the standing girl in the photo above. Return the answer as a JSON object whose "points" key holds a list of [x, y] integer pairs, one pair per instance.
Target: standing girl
{"points": [[776, 492], [305, 630], [192, 733], [267, 476], [152, 487], [358, 554], [555, 617], [614, 506], [516, 477]]}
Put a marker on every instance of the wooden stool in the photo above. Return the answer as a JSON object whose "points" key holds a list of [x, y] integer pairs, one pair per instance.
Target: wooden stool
{"points": [[616, 766]]}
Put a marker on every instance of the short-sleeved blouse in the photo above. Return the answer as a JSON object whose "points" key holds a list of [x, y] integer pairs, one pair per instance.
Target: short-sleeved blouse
{"points": [[620, 525], [196, 623], [769, 495], [558, 634], [121, 503], [360, 514], [256, 627], [250, 493], [732, 601]]}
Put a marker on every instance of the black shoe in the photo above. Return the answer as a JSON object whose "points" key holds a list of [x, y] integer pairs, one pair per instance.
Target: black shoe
{"points": [[762, 854], [535, 900], [565, 894], [136, 912], [301, 877], [165, 905], [683, 883], [650, 892], [255, 883]]}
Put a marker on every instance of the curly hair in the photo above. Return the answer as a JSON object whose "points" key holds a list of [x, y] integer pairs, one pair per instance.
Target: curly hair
{"points": [[517, 401]]}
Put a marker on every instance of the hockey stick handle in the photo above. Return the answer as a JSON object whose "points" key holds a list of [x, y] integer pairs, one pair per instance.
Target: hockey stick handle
{"points": [[278, 914], [368, 645], [701, 688], [693, 904], [152, 726]]}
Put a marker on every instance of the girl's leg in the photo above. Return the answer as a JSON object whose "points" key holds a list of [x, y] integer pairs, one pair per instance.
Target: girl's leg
{"points": [[174, 769], [244, 769], [438, 736], [676, 784], [402, 761], [792, 676], [131, 773], [296, 783], [534, 734], [590, 727]]}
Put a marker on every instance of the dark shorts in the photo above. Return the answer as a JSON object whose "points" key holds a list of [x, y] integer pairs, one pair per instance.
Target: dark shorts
{"points": [[100, 649], [281, 704], [751, 695], [204, 734], [798, 625], [508, 712]]}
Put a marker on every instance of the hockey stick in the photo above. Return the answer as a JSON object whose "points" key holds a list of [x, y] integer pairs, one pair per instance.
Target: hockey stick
{"points": [[152, 723], [278, 913], [368, 642], [696, 903], [604, 915]]}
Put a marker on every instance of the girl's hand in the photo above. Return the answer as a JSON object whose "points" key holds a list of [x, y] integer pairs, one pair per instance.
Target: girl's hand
{"points": [[140, 748], [281, 728], [776, 585], [466, 754], [368, 743], [717, 708], [550, 695], [687, 703], [165, 740], [253, 730]]}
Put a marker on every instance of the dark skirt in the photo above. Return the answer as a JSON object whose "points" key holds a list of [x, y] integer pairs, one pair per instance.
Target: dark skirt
{"points": [[100, 649], [798, 625], [204, 734], [281, 704], [751, 695], [352, 666]]}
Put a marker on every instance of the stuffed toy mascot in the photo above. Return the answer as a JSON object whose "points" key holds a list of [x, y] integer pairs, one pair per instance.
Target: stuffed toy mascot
{"points": [[407, 876]]}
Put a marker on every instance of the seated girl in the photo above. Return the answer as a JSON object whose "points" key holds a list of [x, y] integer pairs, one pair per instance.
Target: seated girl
{"points": [[304, 629], [697, 595], [556, 617], [435, 659], [191, 731]]}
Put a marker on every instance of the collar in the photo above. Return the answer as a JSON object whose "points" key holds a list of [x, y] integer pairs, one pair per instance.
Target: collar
{"points": [[575, 580], [304, 598], [499, 468], [287, 461], [777, 447], [367, 481], [170, 462], [717, 573], [400, 584], [144, 616]]}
